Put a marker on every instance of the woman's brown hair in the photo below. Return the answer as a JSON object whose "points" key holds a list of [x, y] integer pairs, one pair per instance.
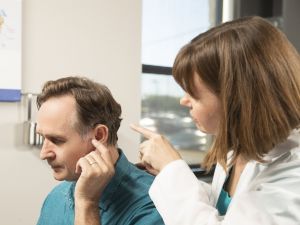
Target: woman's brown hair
{"points": [[94, 104], [255, 71]]}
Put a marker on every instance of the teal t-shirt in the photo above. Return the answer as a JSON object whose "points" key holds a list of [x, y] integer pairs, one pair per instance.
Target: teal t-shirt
{"points": [[224, 198], [125, 200], [223, 202]]}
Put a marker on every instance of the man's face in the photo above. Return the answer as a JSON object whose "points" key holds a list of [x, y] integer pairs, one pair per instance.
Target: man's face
{"points": [[63, 146]]}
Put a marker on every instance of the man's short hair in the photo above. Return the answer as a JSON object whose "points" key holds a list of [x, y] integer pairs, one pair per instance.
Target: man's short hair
{"points": [[94, 103]]}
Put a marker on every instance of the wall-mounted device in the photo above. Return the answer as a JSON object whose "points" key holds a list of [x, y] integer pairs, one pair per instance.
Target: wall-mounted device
{"points": [[30, 136]]}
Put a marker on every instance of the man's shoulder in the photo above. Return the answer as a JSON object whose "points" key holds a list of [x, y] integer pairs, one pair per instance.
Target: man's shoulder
{"points": [[140, 174], [129, 171]]}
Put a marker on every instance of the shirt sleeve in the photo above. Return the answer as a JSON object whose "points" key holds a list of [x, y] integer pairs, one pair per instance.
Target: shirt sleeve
{"points": [[179, 195], [182, 199]]}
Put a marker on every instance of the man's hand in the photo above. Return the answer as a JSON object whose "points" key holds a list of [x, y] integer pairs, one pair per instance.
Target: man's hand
{"points": [[156, 152], [97, 169]]}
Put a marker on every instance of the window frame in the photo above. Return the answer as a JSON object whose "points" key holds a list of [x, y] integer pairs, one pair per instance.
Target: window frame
{"points": [[167, 71]]}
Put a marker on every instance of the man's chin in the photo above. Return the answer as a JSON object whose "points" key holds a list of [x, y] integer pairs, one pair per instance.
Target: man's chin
{"points": [[61, 174], [60, 177]]}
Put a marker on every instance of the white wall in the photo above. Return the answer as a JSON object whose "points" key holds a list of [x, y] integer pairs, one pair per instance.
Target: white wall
{"points": [[95, 38]]}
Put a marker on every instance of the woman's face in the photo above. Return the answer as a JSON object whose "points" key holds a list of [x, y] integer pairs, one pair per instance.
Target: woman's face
{"points": [[206, 109]]}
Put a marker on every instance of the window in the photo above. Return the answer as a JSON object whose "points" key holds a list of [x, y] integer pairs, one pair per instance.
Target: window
{"points": [[167, 26]]}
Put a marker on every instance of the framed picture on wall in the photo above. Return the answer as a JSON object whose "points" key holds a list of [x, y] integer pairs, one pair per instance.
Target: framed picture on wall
{"points": [[10, 50]]}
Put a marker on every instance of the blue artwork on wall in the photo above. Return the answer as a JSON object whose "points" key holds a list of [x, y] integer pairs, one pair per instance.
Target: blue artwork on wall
{"points": [[10, 50], [10, 95]]}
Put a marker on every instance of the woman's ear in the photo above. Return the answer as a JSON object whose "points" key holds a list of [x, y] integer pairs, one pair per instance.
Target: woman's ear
{"points": [[101, 133]]}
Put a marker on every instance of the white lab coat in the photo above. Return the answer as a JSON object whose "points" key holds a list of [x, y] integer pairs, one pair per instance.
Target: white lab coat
{"points": [[267, 193]]}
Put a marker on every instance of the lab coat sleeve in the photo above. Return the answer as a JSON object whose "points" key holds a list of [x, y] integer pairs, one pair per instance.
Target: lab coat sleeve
{"points": [[179, 196], [182, 199]]}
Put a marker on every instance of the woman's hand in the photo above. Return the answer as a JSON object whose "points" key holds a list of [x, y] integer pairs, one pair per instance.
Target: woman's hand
{"points": [[156, 152], [97, 169]]}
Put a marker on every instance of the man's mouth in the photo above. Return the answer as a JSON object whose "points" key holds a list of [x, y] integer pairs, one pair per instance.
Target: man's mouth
{"points": [[55, 167]]}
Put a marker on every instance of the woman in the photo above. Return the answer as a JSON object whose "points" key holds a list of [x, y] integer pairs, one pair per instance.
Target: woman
{"points": [[242, 84]]}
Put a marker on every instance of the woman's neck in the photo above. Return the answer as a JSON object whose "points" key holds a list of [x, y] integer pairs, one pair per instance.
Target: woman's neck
{"points": [[235, 175]]}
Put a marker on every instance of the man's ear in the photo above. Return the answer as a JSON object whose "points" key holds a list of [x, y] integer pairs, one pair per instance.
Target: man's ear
{"points": [[101, 133]]}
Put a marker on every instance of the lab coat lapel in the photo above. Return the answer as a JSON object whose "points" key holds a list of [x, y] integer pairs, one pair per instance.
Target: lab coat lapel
{"points": [[217, 184]]}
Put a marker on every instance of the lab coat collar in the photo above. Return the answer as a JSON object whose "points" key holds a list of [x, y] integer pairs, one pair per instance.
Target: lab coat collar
{"points": [[253, 168], [292, 142]]}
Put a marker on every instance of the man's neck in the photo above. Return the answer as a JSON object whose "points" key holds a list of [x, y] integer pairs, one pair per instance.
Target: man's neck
{"points": [[114, 153]]}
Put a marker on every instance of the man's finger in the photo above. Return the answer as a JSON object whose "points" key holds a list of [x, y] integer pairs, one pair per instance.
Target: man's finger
{"points": [[82, 162], [144, 131], [103, 150]]}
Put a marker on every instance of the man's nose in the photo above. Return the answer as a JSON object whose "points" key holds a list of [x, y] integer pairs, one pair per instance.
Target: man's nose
{"points": [[46, 151]]}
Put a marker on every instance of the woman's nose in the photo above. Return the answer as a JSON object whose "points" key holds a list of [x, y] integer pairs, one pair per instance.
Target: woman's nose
{"points": [[185, 101]]}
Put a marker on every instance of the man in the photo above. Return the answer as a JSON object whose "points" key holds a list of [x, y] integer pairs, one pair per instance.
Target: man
{"points": [[79, 120]]}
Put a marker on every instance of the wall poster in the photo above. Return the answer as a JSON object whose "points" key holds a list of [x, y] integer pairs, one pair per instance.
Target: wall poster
{"points": [[10, 50]]}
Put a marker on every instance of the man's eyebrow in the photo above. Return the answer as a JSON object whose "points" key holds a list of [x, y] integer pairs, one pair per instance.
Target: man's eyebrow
{"points": [[57, 136]]}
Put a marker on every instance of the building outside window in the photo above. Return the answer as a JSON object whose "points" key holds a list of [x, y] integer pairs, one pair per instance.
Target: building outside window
{"points": [[166, 26]]}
